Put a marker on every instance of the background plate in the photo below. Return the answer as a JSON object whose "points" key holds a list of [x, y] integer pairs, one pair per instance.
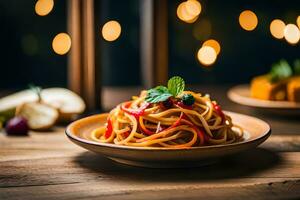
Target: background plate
{"points": [[241, 94]]}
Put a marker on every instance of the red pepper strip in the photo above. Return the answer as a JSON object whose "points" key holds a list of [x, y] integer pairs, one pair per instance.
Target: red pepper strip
{"points": [[206, 137], [144, 129], [180, 104], [219, 111], [177, 122], [126, 134], [136, 113], [201, 133], [109, 129]]}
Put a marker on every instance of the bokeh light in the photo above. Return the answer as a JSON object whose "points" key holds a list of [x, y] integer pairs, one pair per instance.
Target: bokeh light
{"points": [[291, 33], [44, 7], [298, 21], [111, 30], [206, 55], [183, 14], [29, 44], [192, 20], [214, 44], [188, 11], [277, 28], [193, 7], [248, 20], [202, 29], [61, 43]]}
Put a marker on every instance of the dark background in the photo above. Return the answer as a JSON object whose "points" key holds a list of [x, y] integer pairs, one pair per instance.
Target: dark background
{"points": [[27, 57]]}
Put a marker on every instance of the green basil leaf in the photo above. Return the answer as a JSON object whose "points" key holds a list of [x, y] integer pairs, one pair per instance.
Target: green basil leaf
{"points": [[176, 85], [158, 94]]}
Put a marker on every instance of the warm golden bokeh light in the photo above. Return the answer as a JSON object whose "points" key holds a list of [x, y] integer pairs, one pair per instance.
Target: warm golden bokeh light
{"points": [[193, 7], [61, 43], [248, 20], [183, 14], [214, 44], [207, 55], [188, 11], [277, 28], [44, 7], [298, 21], [111, 31], [291, 33], [192, 20]]}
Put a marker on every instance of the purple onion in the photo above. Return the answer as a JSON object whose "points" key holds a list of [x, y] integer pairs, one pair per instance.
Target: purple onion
{"points": [[17, 126]]}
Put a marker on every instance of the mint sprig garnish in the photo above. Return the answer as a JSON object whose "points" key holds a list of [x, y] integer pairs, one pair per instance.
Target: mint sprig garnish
{"points": [[160, 93], [280, 71], [176, 85]]}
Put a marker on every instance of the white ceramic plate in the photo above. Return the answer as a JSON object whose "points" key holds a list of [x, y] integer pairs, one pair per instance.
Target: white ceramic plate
{"points": [[241, 94], [256, 131]]}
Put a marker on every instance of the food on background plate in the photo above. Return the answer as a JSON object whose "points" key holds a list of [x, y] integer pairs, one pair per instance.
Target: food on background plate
{"points": [[263, 88], [293, 89], [280, 84], [168, 117]]}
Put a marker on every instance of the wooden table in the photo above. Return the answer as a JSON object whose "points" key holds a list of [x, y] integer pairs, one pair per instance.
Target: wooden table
{"points": [[47, 166]]}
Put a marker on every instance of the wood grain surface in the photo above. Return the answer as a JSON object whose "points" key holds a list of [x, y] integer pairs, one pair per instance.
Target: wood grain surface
{"points": [[46, 165]]}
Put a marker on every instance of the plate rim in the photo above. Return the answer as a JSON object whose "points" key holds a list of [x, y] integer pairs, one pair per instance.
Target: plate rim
{"points": [[259, 139], [258, 103]]}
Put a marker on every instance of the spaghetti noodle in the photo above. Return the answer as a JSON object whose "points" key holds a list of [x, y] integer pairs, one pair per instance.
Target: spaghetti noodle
{"points": [[169, 123]]}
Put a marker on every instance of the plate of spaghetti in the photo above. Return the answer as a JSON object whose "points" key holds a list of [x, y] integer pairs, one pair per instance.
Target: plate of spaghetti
{"points": [[168, 127]]}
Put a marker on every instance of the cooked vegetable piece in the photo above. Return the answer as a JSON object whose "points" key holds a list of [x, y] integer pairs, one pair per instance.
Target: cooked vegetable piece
{"points": [[188, 99]]}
